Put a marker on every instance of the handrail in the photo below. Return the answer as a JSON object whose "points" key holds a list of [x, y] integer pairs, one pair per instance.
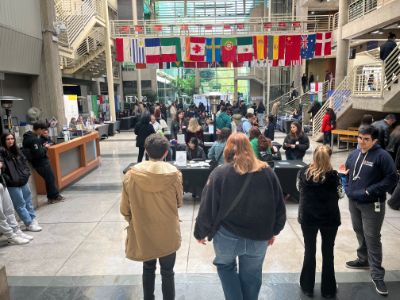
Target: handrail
{"points": [[372, 80], [227, 26], [340, 98], [360, 8]]}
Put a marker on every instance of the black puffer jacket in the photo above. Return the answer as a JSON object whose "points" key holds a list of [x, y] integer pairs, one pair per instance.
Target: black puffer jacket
{"points": [[319, 200], [142, 130], [16, 171]]}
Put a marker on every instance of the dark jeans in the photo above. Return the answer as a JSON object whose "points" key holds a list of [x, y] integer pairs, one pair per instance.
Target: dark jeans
{"points": [[327, 138], [307, 277], [167, 264], [141, 154], [367, 225], [45, 171]]}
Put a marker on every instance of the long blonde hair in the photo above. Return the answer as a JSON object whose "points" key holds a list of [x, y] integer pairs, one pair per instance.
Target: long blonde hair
{"points": [[193, 125], [321, 164], [239, 152]]}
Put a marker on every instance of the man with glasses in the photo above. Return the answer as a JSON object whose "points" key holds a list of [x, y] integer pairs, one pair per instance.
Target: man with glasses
{"points": [[371, 174]]}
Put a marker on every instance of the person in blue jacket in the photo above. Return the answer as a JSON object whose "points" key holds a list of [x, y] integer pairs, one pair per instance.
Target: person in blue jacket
{"points": [[371, 174]]}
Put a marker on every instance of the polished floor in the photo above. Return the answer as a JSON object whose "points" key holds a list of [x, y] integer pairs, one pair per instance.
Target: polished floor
{"points": [[80, 252]]}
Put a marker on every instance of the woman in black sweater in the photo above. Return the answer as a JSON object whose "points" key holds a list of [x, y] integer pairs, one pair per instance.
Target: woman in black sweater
{"points": [[320, 190], [142, 130], [296, 143], [242, 223]]}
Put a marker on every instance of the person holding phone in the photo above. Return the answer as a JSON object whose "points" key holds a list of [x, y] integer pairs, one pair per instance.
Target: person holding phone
{"points": [[296, 143], [371, 173]]}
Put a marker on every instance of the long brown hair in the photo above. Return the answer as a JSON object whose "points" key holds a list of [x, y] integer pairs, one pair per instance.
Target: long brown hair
{"points": [[239, 152], [321, 164]]}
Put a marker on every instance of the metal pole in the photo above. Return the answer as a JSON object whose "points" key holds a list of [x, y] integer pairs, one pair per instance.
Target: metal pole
{"points": [[268, 65], [138, 71], [109, 67]]}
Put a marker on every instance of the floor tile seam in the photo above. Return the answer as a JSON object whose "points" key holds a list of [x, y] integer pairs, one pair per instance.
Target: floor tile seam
{"points": [[115, 280], [190, 237], [299, 238], [391, 224], [84, 239]]}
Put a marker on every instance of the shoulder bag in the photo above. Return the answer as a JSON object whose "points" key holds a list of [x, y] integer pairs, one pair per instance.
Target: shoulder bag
{"points": [[214, 163]]}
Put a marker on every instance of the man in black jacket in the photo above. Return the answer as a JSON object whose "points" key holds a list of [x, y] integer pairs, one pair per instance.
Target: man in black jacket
{"points": [[36, 152], [371, 174], [385, 51]]}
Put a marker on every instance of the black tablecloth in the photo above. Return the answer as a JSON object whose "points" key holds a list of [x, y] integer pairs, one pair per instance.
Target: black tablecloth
{"points": [[287, 170], [125, 123], [194, 178], [209, 137]]}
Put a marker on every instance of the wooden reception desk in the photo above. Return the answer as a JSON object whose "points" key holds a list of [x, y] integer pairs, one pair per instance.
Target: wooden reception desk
{"points": [[71, 160]]}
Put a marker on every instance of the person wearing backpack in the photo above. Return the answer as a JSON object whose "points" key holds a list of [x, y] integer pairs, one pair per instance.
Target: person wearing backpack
{"points": [[16, 175]]}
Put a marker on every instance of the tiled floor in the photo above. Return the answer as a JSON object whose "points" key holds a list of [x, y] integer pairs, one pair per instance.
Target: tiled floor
{"points": [[80, 252]]}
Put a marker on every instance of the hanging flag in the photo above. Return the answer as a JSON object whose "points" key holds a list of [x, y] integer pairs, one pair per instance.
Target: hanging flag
{"points": [[119, 49], [268, 25], [157, 27], [189, 64], [282, 24], [307, 46], [296, 24], [275, 55], [292, 51], [138, 28], [202, 65], [140, 66], [127, 49], [170, 49], [245, 49], [138, 56], [281, 50], [213, 50], [208, 27], [227, 26], [323, 44], [185, 43], [260, 43], [197, 48], [240, 26], [228, 53], [152, 50]]}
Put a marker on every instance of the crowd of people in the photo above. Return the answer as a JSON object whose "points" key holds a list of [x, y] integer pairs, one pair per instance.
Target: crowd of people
{"points": [[241, 232]]}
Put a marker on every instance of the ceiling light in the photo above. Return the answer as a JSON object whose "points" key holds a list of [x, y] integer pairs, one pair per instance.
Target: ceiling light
{"points": [[377, 32]]}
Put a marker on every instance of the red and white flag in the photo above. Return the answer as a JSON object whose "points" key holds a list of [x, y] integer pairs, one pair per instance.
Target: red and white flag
{"points": [[197, 48], [323, 44]]}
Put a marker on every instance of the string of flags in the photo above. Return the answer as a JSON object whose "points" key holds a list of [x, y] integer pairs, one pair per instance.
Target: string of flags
{"points": [[202, 52]]}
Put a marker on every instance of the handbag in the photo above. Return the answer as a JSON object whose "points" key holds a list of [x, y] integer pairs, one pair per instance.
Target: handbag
{"points": [[214, 163], [234, 203]]}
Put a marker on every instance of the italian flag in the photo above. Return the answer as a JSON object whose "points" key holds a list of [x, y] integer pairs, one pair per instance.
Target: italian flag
{"points": [[245, 49], [170, 49]]}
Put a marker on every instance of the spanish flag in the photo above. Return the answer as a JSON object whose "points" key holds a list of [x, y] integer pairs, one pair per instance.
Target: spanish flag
{"points": [[260, 44], [275, 55]]}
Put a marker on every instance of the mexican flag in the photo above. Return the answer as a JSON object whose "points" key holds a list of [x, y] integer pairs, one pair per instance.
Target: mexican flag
{"points": [[245, 49], [228, 53]]}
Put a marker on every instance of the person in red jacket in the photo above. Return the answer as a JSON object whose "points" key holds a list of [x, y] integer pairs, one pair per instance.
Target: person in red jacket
{"points": [[326, 126]]}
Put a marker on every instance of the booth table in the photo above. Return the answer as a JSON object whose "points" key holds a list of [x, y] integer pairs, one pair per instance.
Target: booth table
{"points": [[71, 160], [102, 129], [343, 135], [286, 171], [194, 177]]}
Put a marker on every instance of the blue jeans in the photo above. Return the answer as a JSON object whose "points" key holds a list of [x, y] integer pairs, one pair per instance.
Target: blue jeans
{"points": [[245, 284], [22, 200]]}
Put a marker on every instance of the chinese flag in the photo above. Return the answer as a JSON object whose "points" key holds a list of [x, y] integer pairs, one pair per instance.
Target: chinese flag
{"points": [[292, 52]]}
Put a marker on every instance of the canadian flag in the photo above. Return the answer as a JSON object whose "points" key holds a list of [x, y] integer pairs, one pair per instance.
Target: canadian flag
{"points": [[197, 48], [323, 44]]}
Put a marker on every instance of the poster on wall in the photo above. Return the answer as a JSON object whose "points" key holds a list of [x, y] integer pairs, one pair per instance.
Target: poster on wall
{"points": [[71, 107]]}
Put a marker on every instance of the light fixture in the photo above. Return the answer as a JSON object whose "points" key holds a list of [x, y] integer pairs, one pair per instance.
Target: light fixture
{"points": [[7, 103], [377, 32]]}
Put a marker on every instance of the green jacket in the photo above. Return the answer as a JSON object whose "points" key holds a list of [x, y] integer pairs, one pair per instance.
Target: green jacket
{"points": [[223, 121]]}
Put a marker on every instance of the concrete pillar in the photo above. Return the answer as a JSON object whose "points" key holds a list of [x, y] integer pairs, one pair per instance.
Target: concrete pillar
{"points": [[342, 46], [109, 67], [138, 71], [235, 86], [47, 90]]}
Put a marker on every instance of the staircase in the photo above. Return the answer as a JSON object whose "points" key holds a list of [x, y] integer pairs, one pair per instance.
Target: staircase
{"points": [[376, 86], [82, 43]]}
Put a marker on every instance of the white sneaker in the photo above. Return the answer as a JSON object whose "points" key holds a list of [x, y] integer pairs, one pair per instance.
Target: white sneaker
{"points": [[17, 240], [33, 227], [24, 236]]}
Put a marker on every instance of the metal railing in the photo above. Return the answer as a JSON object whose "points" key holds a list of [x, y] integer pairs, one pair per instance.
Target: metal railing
{"points": [[340, 99], [205, 26], [335, 21], [360, 8], [372, 80], [75, 16]]}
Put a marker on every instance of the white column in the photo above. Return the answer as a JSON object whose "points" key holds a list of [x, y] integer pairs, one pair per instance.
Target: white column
{"points": [[138, 71], [268, 66], [109, 67], [342, 46]]}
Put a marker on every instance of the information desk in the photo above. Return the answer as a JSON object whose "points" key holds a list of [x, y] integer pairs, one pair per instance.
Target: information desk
{"points": [[195, 178], [71, 160], [287, 170]]}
